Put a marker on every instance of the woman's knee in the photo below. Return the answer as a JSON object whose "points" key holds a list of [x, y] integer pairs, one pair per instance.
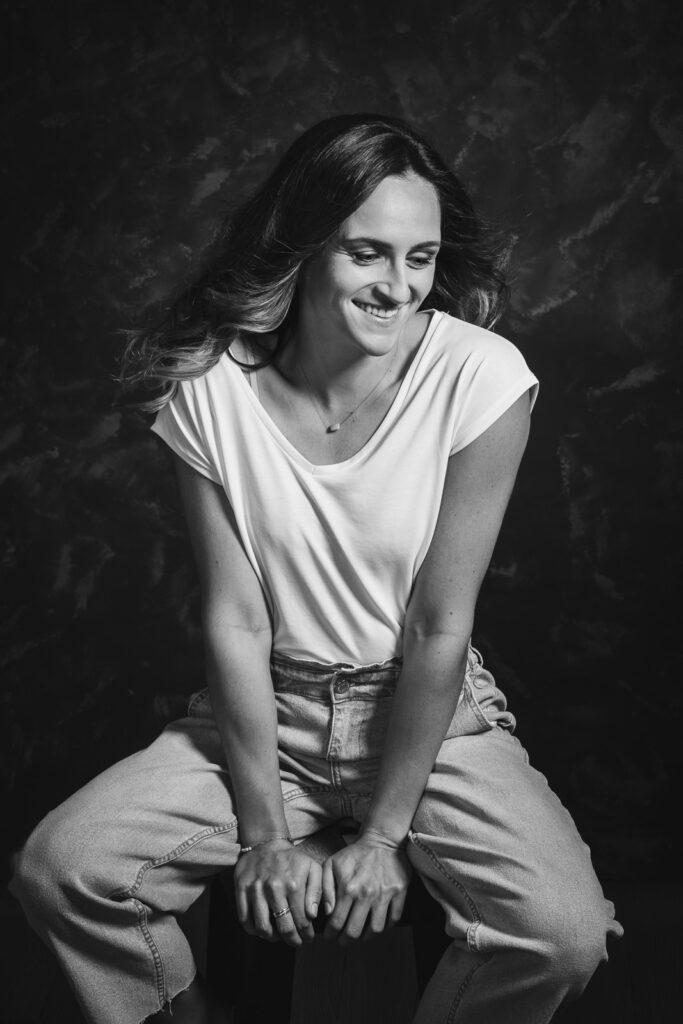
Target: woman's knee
{"points": [[52, 866], [569, 933]]}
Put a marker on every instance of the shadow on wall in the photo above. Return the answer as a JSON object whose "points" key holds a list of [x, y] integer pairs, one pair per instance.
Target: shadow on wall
{"points": [[132, 129]]}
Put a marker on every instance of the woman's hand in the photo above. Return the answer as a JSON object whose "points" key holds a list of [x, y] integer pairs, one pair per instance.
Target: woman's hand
{"points": [[271, 877], [364, 887]]}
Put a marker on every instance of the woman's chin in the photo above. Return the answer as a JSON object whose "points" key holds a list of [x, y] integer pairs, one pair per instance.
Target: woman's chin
{"points": [[376, 335]]}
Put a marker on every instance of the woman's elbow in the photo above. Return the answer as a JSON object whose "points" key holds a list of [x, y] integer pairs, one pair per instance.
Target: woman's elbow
{"points": [[223, 625], [428, 629]]}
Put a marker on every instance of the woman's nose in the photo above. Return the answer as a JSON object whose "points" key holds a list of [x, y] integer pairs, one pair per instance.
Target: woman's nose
{"points": [[396, 282]]}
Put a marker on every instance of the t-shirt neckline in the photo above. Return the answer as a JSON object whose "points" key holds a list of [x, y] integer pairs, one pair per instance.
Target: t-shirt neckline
{"points": [[332, 467]]}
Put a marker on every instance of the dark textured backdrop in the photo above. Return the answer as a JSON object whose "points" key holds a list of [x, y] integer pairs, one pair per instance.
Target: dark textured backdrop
{"points": [[130, 129]]}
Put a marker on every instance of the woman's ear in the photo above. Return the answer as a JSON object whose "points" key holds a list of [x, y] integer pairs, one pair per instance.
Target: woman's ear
{"points": [[303, 278]]}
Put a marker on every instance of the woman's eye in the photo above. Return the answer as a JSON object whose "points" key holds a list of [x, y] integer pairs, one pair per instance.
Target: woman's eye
{"points": [[418, 262], [422, 261]]}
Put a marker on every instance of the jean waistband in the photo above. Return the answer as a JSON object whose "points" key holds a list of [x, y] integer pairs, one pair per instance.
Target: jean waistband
{"points": [[288, 673]]}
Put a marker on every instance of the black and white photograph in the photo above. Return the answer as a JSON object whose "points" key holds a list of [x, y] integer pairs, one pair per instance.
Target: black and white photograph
{"points": [[341, 443]]}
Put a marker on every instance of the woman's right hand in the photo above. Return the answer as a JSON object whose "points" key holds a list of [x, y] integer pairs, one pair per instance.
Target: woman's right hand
{"points": [[272, 876]]}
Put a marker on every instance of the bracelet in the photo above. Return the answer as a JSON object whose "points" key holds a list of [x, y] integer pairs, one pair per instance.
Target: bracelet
{"points": [[255, 846]]}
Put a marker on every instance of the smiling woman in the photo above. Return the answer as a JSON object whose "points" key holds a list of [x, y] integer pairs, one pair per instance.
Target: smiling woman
{"points": [[347, 432], [358, 325], [252, 284], [378, 263]]}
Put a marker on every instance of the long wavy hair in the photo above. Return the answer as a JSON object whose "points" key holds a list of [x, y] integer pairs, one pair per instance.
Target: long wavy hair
{"points": [[249, 286]]}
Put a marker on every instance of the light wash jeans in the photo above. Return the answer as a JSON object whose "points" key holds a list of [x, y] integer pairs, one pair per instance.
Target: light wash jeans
{"points": [[104, 875]]}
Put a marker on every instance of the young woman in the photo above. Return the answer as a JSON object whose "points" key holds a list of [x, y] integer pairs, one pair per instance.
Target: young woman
{"points": [[347, 432]]}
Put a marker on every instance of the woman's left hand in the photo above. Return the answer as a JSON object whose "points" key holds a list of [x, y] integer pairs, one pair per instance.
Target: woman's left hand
{"points": [[364, 888]]}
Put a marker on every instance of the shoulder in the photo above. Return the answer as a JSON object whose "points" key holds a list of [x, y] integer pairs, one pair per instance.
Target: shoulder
{"points": [[480, 375], [201, 392], [474, 359], [233, 363], [198, 401], [460, 342]]}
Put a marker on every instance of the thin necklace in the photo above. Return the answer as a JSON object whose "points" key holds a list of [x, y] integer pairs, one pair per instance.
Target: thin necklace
{"points": [[332, 428]]}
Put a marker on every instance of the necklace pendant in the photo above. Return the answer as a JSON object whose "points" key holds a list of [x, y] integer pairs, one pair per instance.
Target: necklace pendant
{"points": [[333, 428]]}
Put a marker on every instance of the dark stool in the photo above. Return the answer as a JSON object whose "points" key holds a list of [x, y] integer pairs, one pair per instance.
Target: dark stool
{"points": [[323, 983]]}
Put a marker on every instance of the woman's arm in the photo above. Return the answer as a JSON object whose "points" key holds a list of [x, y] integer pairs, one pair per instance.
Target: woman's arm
{"points": [[238, 639], [370, 876]]}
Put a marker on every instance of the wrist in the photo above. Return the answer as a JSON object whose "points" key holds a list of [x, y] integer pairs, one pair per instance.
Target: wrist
{"points": [[386, 838], [279, 842]]}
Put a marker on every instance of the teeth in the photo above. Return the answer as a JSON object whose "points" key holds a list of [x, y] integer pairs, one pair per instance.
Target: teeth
{"points": [[381, 312]]}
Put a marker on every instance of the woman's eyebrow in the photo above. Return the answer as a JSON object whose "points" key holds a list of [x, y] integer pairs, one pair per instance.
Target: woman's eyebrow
{"points": [[377, 243]]}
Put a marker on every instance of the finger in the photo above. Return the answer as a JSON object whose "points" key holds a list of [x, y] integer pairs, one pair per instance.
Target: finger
{"points": [[284, 926], [395, 912], [296, 892], [314, 887], [338, 917], [377, 920], [260, 912], [329, 888], [247, 920], [277, 899], [280, 897], [242, 901], [355, 922]]}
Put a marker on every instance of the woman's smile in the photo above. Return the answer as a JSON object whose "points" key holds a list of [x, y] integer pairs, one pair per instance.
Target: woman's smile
{"points": [[378, 312], [358, 295]]}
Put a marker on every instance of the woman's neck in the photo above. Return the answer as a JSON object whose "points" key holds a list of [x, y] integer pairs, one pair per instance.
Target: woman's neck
{"points": [[338, 373]]}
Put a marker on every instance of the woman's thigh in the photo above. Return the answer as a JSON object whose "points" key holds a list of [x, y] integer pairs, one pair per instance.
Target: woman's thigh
{"points": [[499, 851], [155, 825]]}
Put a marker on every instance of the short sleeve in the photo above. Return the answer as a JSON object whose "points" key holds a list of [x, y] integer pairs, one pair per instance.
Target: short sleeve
{"points": [[182, 424], [492, 378]]}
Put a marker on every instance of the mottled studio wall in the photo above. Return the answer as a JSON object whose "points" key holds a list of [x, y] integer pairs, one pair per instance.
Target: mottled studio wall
{"points": [[130, 128]]}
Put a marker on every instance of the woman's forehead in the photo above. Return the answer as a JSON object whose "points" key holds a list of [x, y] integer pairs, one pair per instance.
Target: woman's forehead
{"points": [[399, 207]]}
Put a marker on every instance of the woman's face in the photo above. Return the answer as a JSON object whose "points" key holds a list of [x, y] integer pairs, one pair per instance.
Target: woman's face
{"points": [[369, 281]]}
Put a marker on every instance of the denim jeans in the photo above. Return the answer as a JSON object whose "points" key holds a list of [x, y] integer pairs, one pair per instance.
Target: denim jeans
{"points": [[104, 876]]}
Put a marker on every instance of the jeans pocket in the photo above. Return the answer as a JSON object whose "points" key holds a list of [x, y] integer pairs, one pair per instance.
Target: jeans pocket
{"points": [[482, 706], [469, 717]]}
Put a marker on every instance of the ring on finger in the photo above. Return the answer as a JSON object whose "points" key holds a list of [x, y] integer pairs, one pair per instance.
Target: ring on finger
{"points": [[281, 913]]}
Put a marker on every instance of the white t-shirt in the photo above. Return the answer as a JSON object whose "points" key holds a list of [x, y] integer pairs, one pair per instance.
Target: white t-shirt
{"points": [[337, 548]]}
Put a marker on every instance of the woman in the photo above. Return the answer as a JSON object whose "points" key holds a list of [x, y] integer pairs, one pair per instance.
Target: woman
{"points": [[347, 433]]}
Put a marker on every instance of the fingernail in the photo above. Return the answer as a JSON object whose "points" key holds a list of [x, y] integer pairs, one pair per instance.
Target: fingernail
{"points": [[327, 907], [314, 908]]}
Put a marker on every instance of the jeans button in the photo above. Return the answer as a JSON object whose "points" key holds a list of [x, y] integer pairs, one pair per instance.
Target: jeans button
{"points": [[341, 687]]}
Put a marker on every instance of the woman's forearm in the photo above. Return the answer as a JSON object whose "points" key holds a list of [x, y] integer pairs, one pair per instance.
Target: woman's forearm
{"points": [[426, 697], [238, 674]]}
